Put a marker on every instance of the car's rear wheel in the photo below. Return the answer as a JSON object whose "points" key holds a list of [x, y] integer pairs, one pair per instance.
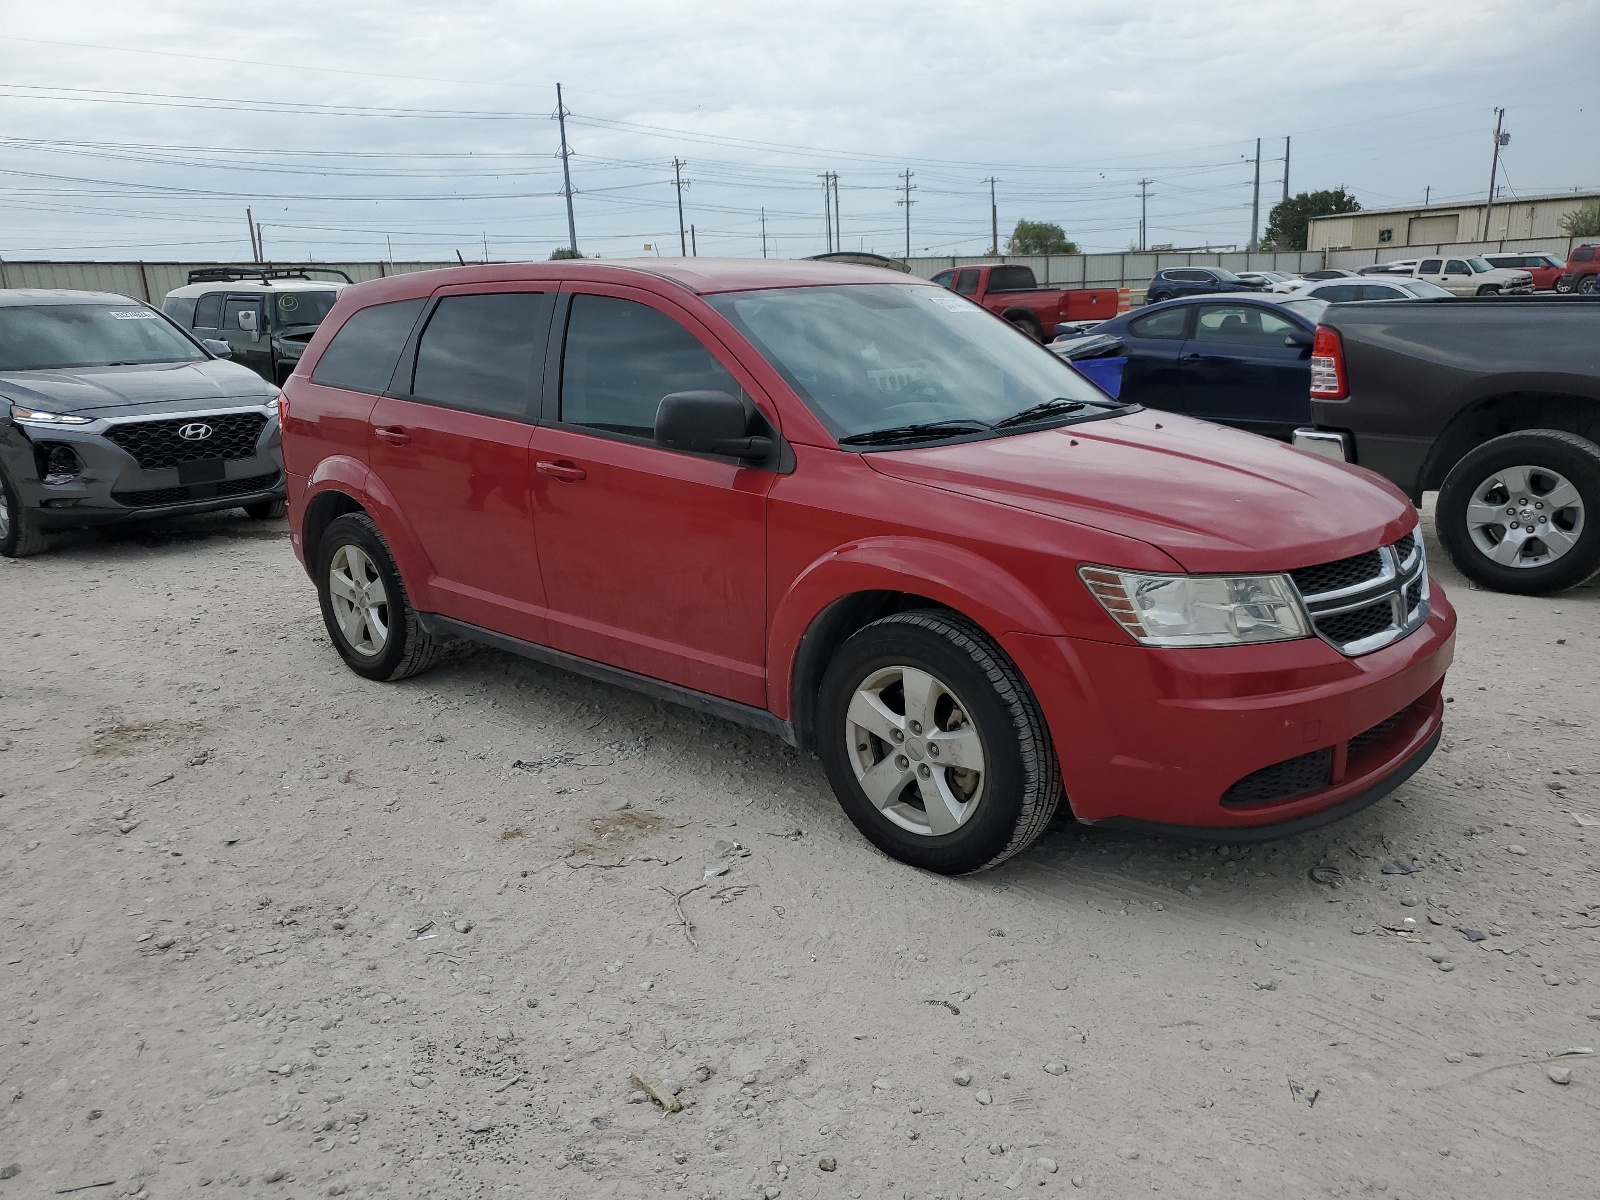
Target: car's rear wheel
{"points": [[1563, 284], [1156, 297], [365, 606], [934, 744], [266, 510], [1521, 513], [20, 535], [1029, 325]]}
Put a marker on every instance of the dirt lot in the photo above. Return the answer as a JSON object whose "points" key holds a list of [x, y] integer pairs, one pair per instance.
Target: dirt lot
{"points": [[272, 930]]}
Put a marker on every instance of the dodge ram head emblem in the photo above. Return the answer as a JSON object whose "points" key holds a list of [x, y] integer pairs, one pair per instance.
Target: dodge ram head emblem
{"points": [[195, 431]]}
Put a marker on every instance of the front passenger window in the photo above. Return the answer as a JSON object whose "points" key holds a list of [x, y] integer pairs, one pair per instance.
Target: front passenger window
{"points": [[621, 357]]}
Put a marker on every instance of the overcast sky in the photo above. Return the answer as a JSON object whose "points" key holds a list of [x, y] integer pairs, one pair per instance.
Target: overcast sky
{"points": [[142, 130]]}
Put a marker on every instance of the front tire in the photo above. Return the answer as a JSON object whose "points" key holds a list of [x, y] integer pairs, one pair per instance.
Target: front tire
{"points": [[934, 744], [1488, 289], [20, 535], [1587, 285], [364, 603], [1521, 513]]}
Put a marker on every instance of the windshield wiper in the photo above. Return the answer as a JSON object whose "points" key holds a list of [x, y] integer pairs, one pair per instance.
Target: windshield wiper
{"points": [[1060, 406], [921, 431]]}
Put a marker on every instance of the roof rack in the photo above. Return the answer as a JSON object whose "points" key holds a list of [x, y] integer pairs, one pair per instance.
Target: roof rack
{"points": [[264, 274]]}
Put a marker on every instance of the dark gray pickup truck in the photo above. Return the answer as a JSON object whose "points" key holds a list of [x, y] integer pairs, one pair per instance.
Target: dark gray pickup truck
{"points": [[1495, 402]]}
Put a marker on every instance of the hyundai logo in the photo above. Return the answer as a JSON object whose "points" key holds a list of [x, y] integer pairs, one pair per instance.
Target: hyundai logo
{"points": [[195, 431]]}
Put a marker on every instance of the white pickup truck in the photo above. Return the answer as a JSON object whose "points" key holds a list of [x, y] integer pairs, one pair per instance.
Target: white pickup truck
{"points": [[1472, 276]]}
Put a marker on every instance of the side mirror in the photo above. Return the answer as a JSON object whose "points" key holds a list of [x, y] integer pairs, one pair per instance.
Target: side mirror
{"points": [[247, 320], [1299, 337], [218, 349], [709, 423]]}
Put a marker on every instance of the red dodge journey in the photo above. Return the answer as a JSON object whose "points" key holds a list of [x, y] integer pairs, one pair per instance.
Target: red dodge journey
{"points": [[864, 514]]}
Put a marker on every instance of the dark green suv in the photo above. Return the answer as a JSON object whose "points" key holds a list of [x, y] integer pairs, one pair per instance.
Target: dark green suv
{"points": [[265, 314]]}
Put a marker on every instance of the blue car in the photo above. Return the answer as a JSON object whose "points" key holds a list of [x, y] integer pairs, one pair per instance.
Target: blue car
{"points": [[1238, 360], [1172, 282]]}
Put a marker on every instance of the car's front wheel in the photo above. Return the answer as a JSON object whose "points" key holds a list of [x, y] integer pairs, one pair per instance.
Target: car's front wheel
{"points": [[20, 535], [364, 603], [1587, 285], [1489, 289], [1521, 513], [934, 744]]}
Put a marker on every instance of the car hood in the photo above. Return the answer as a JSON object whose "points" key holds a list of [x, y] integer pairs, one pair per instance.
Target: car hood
{"points": [[99, 390], [1213, 499]]}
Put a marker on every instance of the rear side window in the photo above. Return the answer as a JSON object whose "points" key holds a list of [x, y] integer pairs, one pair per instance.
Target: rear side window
{"points": [[621, 357], [1379, 291], [1338, 293], [363, 354], [208, 312], [1430, 266], [1010, 279], [1583, 254], [1168, 324], [481, 353]]}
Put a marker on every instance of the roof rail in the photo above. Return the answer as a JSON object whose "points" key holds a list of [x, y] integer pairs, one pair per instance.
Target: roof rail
{"points": [[264, 274]]}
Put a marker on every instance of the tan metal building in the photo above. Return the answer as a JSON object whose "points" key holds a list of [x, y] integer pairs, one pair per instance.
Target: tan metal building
{"points": [[1437, 225]]}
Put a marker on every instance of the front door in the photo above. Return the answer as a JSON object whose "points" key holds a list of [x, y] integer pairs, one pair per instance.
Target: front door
{"points": [[451, 444], [654, 560], [1248, 367], [252, 347]]}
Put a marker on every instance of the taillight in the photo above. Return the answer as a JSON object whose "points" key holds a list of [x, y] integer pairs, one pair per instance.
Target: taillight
{"points": [[1328, 379]]}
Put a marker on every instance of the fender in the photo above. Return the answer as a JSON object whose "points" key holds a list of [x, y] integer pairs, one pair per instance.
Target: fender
{"points": [[966, 582], [341, 473]]}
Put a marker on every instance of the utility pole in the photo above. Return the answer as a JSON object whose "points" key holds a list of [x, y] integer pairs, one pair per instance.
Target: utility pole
{"points": [[677, 182], [827, 210], [1427, 195], [838, 225], [1500, 139], [255, 249], [763, 233], [261, 243], [1285, 168], [566, 173], [694, 244], [907, 187], [1144, 198], [1255, 202], [994, 219]]}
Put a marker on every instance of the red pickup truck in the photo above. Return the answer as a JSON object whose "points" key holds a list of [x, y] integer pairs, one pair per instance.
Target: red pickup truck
{"points": [[1012, 292]]}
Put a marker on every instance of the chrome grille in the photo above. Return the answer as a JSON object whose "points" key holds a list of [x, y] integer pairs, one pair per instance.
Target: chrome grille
{"points": [[1365, 602]]}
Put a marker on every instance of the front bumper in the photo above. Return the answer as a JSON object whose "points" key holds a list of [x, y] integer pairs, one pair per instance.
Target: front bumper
{"points": [[1150, 737], [108, 484]]}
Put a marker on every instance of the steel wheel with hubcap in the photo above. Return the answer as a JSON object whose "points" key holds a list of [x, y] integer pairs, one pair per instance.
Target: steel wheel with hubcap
{"points": [[364, 603], [934, 744], [1521, 513]]}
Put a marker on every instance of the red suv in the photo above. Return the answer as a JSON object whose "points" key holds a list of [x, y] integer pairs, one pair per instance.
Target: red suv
{"points": [[862, 513], [1582, 273]]}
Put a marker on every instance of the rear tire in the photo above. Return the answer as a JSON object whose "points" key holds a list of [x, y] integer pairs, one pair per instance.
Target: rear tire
{"points": [[1563, 285], [1486, 528], [972, 701], [20, 535], [266, 510], [1030, 326], [1156, 297], [369, 617]]}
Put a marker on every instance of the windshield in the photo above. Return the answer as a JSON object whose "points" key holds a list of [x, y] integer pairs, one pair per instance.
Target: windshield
{"points": [[301, 308], [89, 335], [1478, 265], [881, 356], [1422, 288]]}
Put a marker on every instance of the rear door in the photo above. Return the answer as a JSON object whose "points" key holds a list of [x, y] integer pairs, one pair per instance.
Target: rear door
{"points": [[450, 442], [654, 560], [1248, 367], [1153, 342]]}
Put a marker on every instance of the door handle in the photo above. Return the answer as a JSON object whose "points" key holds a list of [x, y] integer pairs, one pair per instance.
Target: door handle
{"points": [[1192, 358], [392, 434], [563, 471]]}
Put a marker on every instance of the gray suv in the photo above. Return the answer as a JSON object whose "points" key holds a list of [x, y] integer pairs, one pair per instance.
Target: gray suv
{"points": [[110, 412], [267, 315]]}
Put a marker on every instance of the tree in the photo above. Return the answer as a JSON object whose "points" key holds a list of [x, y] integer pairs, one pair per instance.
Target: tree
{"points": [[1583, 223], [1040, 237], [1286, 224], [564, 252]]}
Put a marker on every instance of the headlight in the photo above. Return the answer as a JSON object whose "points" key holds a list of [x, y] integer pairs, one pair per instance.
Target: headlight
{"points": [[1199, 610], [19, 413], [274, 406]]}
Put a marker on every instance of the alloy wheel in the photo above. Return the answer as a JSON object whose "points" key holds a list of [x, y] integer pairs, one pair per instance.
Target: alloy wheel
{"points": [[5, 515], [1525, 516], [915, 751], [360, 600]]}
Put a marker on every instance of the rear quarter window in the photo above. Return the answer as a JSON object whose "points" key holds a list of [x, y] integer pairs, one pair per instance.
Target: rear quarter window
{"points": [[363, 354]]}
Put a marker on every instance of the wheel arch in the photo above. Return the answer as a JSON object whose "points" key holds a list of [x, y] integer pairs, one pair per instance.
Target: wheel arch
{"points": [[342, 485], [1507, 412], [1022, 316]]}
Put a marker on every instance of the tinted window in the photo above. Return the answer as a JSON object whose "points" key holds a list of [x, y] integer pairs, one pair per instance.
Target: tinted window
{"points": [[363, 353], [481, 352], [234, 305], [302, 308], [621, 357], [1380, 291], [1338, 293], [89, 335], [1189, 276], [1583, 254], [967, 283], [1011, 279], [1167, 324], [1430, 266], [1238, 324], [208, 313], [1456, 267]]}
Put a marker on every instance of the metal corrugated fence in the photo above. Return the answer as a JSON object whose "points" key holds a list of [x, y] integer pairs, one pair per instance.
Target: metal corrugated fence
{"points": [[153, 280]]}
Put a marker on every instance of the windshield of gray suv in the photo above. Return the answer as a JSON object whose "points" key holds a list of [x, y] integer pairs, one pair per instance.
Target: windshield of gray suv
{"points": [[301, 308], [53, 336], [883, 362]]}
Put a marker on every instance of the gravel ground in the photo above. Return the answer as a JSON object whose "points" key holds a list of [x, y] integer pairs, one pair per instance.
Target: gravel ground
{"points": [[273, 930]]}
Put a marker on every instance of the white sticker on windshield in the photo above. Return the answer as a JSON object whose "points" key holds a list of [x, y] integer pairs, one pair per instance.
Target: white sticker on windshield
{"points": [[953, 304], [133, 314]]}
